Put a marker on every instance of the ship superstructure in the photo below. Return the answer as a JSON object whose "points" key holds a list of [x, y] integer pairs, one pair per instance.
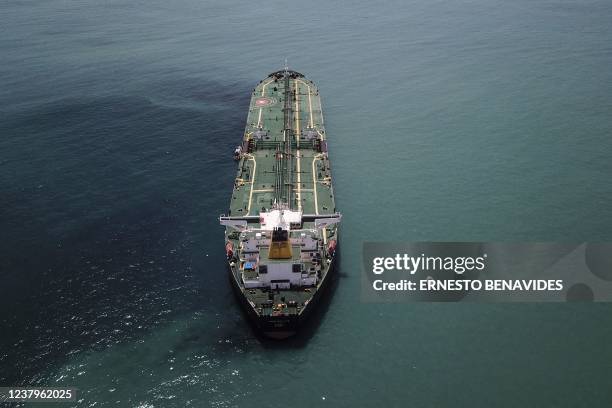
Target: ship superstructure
{"points": [[281, 229]]}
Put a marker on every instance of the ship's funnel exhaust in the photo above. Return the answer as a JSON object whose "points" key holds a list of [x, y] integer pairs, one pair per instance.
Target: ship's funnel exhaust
{"points": [[280, 246]]}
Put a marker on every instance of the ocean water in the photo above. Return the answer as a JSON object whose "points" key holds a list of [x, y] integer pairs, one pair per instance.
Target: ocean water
{"points": [[447, 120]]}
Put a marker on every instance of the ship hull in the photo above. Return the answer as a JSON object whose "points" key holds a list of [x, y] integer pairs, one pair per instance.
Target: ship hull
{"points": [[282, 224], [282, 327]]}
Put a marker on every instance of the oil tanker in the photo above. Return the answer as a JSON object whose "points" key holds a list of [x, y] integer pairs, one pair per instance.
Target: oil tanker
{"points": [[281, 230]]}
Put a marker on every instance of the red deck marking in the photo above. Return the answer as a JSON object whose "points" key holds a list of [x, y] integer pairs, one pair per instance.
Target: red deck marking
{"points": [[263, 101]]}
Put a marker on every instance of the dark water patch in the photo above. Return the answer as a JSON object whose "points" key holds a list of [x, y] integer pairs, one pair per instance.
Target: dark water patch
{"points": [[105, 204]]}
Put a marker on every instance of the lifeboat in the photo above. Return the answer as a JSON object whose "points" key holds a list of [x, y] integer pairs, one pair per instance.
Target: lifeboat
{"points": [[229, 249], [331, 247]]}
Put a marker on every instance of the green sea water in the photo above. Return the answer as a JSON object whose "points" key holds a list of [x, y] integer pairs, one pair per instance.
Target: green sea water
{"points": [[446, 120]]}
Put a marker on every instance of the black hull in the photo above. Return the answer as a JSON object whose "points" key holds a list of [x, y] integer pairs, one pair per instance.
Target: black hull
{"points": [[282, 327]]}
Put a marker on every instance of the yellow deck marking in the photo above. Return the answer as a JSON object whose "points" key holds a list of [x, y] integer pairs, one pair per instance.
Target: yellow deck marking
{"points": [[299, 182], [251, 157], [263, 90], [314, 182], [321, 113], [311, 125], [297, 135], [317, 156], [310, 106], [297, 115]]}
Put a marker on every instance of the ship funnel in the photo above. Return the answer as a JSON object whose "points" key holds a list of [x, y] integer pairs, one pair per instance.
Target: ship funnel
{"points": [[280, 246]]}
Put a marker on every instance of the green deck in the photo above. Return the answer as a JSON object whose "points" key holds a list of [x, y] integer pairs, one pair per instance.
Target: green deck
{"points": [[289, 166], [309, 178]]}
